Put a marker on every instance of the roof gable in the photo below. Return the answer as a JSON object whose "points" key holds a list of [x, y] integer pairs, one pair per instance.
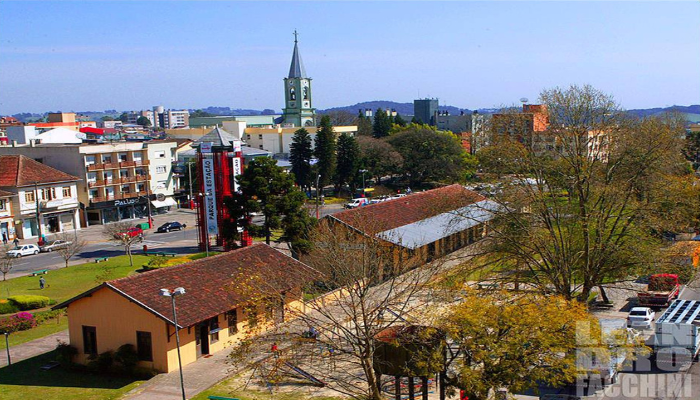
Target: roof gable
{"points": [[19, 170], [210, 283], [217, 137]]}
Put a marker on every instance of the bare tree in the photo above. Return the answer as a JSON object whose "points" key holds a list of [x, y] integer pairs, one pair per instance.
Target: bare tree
{"points": [[594, 194], [122, 233], [341, 118], [74, 247], [6, 262], [367, 285]]}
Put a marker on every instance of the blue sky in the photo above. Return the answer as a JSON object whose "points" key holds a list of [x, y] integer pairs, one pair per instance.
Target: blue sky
{"points": [[136, 54]]}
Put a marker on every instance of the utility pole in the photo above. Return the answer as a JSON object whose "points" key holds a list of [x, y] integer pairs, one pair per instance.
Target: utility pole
{"points": [[148, 203], [38, 209], [318, 177], [189, 175]]}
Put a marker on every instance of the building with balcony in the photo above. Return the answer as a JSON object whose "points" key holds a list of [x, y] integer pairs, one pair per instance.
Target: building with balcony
{"points": [[7, 225], [45, 199], [118, 180], [162, 118]]}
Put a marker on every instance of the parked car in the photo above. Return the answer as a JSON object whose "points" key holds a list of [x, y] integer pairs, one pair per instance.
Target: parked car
{"points": [[24, 250], [134, 232], [171, 226], [54, 245], [354, 203], [640, 317]]}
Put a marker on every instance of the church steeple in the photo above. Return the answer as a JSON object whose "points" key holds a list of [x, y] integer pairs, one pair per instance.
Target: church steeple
{"points": [[297, 88], [296, 70]]}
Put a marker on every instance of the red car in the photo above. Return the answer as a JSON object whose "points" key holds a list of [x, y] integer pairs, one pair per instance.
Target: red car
{"points": [[134, 232]]}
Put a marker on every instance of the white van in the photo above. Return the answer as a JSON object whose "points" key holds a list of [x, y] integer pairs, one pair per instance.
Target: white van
{"points": [[354, 203]]}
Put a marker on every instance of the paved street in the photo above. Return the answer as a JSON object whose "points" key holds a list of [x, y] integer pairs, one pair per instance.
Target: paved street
{"points": [[183, 242]]}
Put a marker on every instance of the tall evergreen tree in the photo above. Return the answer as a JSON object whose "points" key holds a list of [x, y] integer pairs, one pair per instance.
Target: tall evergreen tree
{"points": [[415, 120], [382, 124], [364, 126], [399, 121], [325, 151], [300, 154], [348, 161]]}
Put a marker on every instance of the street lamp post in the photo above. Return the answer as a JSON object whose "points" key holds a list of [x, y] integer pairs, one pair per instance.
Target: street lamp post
{"points": [[177, 292], [363, 181], [189, 176], [7, 346], [148, 203], [206, 224], [318, 178], [38, 211]]}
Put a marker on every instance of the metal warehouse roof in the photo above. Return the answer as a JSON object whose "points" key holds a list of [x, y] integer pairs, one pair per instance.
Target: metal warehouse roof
{"points": [[434, 228], [681, 312]]}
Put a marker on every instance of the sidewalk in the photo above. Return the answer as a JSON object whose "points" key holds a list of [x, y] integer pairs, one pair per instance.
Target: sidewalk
{"points": [[198, 376], [34, 348]]}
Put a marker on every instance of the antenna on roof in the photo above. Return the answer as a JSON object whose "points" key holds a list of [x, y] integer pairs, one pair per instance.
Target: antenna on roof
{"points": [[523, 100]]}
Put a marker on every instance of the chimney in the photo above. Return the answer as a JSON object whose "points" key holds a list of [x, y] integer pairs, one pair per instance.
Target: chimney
{"points": [[14, 143], [32, 142]]}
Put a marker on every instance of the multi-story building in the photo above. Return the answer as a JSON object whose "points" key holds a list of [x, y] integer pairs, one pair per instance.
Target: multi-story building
{"points": [[424, 110], [277, 140], [46, 199], [117, 179], [162, 118], [456, 123], [7, 224]]}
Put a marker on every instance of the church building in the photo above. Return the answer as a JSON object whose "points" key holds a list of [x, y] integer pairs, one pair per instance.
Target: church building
{"points": [[297, 86]]}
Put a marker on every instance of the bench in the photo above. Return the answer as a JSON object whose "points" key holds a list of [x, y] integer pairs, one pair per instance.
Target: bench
{"points": [[220, 398], [487, 285], [40, 272], [100, 259], [167, 254]]}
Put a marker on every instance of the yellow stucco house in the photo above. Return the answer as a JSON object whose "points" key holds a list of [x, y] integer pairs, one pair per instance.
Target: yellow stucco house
{"points": [[214, 313]]}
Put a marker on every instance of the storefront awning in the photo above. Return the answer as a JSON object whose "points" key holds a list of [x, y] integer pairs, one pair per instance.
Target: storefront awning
{"points": [[169, 201]]}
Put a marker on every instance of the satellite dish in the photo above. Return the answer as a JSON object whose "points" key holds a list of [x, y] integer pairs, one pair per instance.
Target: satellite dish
{"points": [[160, 196], [523, 100]]}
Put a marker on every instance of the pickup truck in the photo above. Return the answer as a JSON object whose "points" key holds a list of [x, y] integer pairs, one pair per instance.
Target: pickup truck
{"points": [[677, 335], [661, 291]]}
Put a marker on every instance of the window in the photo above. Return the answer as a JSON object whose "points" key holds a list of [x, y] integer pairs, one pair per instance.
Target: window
{"points": [[232, 318], [48, 194], [2, 205], [214, 329], [260, 137], [29, 197], [106, 158], [160, 154], [248, 136], [89, 160], [89, 340], [66, 192], [122, 157], [144, 346], [160, 169], [140, 187], [93, 193], [125, 189]]}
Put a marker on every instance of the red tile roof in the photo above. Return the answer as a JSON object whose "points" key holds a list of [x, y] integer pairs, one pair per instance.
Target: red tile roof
{"points": [[18, 170], [213, 285], [375, 218]]}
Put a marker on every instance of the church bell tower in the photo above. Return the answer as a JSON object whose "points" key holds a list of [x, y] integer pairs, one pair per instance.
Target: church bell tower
{"points": [[297, 92]]}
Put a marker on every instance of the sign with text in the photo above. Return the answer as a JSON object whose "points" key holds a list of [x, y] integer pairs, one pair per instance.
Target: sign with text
{"points": [[205, 147], [210, 197], [237, 170]]}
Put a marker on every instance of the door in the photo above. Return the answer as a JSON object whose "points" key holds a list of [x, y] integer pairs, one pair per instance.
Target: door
{"points": [[198, 341], [204, 337]]}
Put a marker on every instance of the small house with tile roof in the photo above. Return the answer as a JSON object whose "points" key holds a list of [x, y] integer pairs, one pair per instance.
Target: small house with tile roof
{"points": [[215, 312], [421, 226], [42, 193]]}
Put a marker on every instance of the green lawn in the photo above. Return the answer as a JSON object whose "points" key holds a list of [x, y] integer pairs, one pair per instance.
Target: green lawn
{"points": [[64, 283], [24, 380]]}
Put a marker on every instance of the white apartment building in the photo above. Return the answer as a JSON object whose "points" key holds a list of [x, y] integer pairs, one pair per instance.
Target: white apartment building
{"points": [[118, 180], [45, 199], [162, 118]]}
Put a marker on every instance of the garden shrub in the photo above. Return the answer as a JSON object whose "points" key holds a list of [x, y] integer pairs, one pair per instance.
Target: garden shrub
{"points": [[8, 307], [65, 353], [44, 316], [18, 322], [29, 302], [102, 362], [126, 356]]}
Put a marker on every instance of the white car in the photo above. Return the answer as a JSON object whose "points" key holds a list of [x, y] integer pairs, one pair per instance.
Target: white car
{"points": [[641, 317], [354, 203], [24, 250]]}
